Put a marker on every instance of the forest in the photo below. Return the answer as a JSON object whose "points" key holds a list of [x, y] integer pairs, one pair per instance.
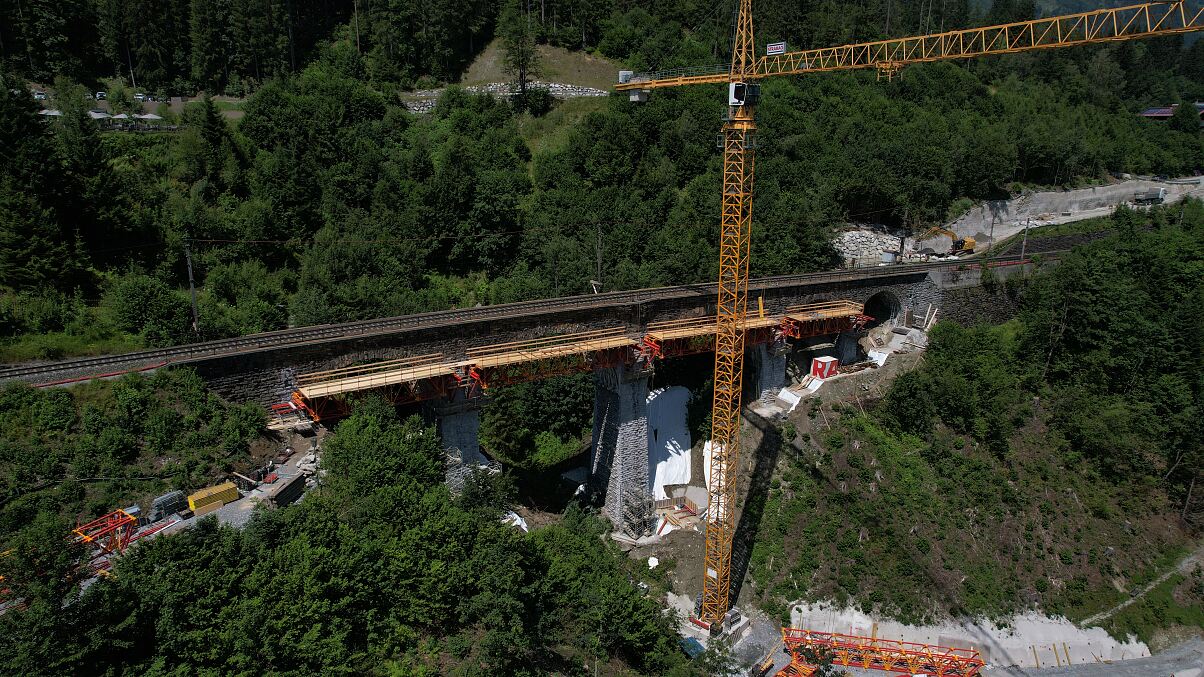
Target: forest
{"points": [[382, 571], [327, 200]]}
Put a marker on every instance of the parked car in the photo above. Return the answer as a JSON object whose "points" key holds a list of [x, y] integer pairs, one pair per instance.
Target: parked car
{"points": [[139, 97], [39, 95], [101, 96]]}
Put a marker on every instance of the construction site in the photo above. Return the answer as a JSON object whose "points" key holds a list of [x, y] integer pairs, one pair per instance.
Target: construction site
{"points": [[779, 363], [714, 613]]}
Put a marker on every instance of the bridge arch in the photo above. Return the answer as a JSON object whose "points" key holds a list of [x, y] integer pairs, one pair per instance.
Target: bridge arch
{"points": [[885, 307]]}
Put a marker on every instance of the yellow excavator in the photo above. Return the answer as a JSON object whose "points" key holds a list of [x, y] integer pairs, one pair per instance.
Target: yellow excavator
{"points": [[961, 245]]}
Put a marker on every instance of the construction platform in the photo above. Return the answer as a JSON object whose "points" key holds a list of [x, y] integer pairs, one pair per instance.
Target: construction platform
{"points": [[322, 395]]}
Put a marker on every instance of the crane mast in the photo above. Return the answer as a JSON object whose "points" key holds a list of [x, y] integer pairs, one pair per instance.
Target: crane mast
{"points": [[738, 140], [735, 224]]}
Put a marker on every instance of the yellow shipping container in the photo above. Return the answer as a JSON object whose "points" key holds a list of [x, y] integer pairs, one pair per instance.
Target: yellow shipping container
{"points": [[206, 509], [220, 494]]}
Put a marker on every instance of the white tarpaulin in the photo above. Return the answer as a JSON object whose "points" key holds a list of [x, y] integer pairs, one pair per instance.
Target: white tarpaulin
{"points": [[789, 398], [879, 357], [668, 439], [513, 519]]}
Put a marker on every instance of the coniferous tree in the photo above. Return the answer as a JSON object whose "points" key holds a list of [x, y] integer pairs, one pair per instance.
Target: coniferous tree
{"points": [[520, 58]]}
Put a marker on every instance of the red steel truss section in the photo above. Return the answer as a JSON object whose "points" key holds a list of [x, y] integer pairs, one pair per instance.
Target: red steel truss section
{"points": [[794, 328], [108, 535], [875, 653], [659, 349]]}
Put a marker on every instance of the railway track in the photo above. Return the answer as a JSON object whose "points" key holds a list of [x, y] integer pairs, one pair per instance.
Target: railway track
{"points": [[109, 365]]}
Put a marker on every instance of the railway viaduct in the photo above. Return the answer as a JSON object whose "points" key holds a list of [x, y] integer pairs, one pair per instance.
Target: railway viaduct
{"points": [[263, 368]]}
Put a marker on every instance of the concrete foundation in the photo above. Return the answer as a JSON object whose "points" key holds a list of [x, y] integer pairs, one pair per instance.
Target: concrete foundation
{"points": [[619, 456], [459, 427]]}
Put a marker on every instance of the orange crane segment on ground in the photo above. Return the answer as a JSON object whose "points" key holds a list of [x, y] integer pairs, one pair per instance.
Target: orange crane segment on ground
{"points": [[875, 653], [738, 143]]}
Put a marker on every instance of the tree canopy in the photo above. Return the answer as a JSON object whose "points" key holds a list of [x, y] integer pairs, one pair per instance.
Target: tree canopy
{"points": [[380, 570]]}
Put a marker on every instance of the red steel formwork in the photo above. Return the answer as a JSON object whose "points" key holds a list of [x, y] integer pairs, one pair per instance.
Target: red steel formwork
{"points": [[108, 536], [819, 319], [483, 378], [875, 653]]}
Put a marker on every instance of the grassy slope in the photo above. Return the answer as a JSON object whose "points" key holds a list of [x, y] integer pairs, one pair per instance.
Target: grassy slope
{"points": [[558, 65], [552, 130], [916, 531], [95, 335]]}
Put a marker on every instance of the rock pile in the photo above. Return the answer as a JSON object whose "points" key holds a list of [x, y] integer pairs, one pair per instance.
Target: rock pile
{"points": [[424, 99], [865, 244]]}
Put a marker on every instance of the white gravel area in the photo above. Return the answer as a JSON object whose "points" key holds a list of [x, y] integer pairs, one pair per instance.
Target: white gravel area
{"points": [[1027, 640]]}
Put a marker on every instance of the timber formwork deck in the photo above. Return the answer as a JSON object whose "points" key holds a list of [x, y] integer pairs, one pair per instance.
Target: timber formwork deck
{"points": [[549, 348], [416, 378], [372, 376], [679, 329], [823, 311]]}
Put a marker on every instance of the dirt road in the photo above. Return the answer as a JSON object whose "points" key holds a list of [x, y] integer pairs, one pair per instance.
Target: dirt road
{"points": [[1185, 567]]}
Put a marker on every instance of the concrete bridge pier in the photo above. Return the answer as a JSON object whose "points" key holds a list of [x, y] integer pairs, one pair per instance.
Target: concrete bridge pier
{"points": [[768, 362], [459, 419], [619, 456]]}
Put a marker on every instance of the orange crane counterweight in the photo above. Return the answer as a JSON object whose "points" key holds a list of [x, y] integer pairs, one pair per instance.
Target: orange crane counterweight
{"points": [[742, 76]]}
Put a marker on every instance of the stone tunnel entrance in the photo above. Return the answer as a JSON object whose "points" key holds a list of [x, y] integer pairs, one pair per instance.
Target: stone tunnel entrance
{"points": [[885, 308]]}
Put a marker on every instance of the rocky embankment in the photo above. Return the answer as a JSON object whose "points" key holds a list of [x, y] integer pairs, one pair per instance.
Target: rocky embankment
{"points": [[423, 100], [866, 243]]}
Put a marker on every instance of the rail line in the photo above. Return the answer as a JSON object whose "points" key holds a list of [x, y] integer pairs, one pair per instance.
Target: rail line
{"points": [[301, 336]]}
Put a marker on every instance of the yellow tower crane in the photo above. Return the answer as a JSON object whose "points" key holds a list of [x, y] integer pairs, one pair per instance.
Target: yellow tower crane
{"points": [[888, 56]]}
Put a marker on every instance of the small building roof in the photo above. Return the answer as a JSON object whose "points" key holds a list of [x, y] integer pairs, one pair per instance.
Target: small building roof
{"points": [[98, 115], [121, 116], [1165, 112], [148, 116], [51, 112]]}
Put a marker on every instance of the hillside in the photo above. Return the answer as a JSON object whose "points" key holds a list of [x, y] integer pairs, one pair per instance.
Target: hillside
{"points": [[572, 67], [1003, 473], [1046, 464]]}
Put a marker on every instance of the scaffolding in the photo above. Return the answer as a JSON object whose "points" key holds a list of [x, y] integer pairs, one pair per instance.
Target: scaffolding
{"points": [[323, 395], [108, 536]]}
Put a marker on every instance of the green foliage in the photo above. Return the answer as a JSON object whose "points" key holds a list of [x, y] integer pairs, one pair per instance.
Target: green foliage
{"points": [[535, 426], [379, 567], [166, 426], [1178, 601], [149, 307], [1186, 119], [519, 56], [995, 475], [39, 217]]}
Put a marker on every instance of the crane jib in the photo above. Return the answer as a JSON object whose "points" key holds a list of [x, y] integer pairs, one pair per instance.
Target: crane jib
{"points": [[1104, 25]]}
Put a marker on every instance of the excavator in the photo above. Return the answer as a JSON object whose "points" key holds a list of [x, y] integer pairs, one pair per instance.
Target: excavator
{"points": [[961, 245]]}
